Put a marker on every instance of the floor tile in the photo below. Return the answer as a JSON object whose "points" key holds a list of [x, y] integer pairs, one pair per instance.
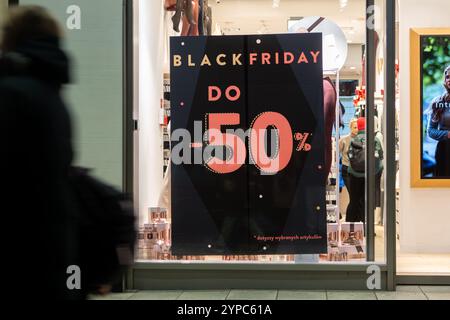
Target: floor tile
{"points": [[409, 289], [438, 296], [252, 295], [112, 296], [400, 295], [204, 295], [435, 289], [156, 295], [301, 295], [351, 295]]}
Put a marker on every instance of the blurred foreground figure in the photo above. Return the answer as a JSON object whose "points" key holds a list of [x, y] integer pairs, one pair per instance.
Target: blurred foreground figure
{"points": [[72, 234], [36, 153]]}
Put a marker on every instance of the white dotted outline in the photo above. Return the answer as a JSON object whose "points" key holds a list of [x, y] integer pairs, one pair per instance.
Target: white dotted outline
{"points": [[207, 139], [277, 148]]}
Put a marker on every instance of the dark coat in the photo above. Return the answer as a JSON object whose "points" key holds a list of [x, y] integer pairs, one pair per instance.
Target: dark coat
{"points": [[36, 152]]}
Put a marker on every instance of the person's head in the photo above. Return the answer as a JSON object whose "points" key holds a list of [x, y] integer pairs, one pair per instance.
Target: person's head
{"points": [[361, 124], [447, 79], [25, 23], [353, 127]]}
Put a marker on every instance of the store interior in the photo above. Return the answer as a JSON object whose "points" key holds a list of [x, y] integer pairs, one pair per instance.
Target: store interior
{"points": [[423, 244]]}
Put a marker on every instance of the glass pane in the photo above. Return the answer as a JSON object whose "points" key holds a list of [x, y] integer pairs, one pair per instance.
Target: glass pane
{"points": [[346, 238], [93, 37]]}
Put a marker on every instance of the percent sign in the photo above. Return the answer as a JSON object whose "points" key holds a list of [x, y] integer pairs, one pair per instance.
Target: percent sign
{"points": [[302, 138]]}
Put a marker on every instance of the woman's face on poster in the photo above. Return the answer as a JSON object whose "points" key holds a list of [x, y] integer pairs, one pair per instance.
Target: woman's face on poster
{"points": [[447, 79]]}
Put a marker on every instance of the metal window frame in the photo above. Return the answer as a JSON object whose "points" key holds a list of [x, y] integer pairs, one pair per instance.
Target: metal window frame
{"points": [[391, 167], [128, 97], [370, 138], [128, 108]]}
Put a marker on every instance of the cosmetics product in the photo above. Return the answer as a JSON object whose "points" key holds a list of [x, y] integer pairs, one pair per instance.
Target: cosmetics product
{"points": [[153, 214], [351, 231], [331, 213], [354, 251], [333, 233], [141, 237]]}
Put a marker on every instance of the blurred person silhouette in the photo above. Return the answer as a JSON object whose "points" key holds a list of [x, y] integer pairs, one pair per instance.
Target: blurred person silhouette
{"points": [[344, 144], [356, 172], [36, 154], [61, 215]]}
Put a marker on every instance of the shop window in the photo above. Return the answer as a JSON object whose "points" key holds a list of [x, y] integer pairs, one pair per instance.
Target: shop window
{"points": [[346, 238]]}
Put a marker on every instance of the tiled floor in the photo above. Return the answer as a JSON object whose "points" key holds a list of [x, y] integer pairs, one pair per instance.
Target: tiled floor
{"points": [[402, 293]]}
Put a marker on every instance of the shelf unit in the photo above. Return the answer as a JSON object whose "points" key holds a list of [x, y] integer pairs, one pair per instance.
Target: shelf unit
{"points": [[164, 122]]}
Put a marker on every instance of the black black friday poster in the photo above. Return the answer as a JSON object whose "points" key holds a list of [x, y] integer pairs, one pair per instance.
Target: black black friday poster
{"points": [[248, 205]]}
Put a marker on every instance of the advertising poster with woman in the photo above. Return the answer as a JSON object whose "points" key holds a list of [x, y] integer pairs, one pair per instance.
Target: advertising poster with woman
{"points": [[435, 107]]}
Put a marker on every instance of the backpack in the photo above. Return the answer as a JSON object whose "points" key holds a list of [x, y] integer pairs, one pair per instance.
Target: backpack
{"points": [[107, 234], [357, 155]]}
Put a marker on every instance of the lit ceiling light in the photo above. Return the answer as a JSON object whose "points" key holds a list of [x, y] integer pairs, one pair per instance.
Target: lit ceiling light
{"points": [[343, 4], [276, 4]]}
